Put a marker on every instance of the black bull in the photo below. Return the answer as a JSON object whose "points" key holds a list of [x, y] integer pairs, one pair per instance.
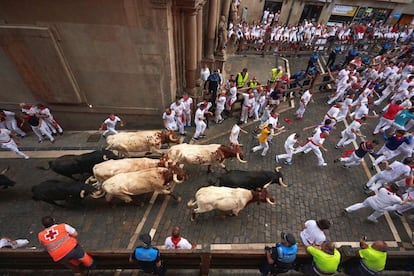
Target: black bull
{"points": [[5, 182], [68, 165], [251, 180], [52, 190]]}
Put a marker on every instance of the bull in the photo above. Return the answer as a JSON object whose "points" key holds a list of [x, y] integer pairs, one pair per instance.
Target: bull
{"points": [[226, 199], [147, 141], [124, 185], [51, 191], [107, 169], [213, 154], [251, 180], [69, 165], [5, 182]]}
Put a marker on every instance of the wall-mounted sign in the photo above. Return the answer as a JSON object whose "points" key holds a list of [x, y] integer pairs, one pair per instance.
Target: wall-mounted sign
{"points": [[344, 10]]}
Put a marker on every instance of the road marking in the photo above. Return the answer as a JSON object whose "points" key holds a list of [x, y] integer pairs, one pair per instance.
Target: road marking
{"points": [[140, 225], [42, 153]]}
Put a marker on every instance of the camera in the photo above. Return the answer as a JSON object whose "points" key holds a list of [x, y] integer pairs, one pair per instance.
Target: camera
{"points": [[364, 238]]}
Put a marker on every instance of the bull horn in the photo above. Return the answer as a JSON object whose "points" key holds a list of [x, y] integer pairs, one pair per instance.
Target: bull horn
{"points": [[240, 160], [265, 186], [277, 168], [172, 139], [282, 183], [5, 170], [269, 201], [82, 194], [175, 178], [105, 157], [181, 166]]}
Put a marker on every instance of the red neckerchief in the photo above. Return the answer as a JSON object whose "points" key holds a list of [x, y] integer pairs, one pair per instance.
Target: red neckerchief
{"points": [[394, 193], [175, 241]]}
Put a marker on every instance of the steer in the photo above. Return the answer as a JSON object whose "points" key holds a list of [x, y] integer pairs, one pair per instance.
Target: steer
{"points": [[68, 165], [5, 182], [213, 154], [124, 185], [147, 140], [227, 199], [52, 190], [107, 169], [251, 180]]}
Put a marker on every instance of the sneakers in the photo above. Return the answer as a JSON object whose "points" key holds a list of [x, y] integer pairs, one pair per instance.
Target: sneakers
{"points": [[287, 163], [372, 220], [372, 167], [345, 166], [336, 147], [40, 141], [366, 187], [336, 160], [26, 157], [323, 164], [202, 136], [194, 139], [398, 213], [277, 159], [344, 212], [183, 134]]}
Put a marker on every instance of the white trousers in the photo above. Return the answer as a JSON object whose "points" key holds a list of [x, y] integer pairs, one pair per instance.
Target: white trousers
{"points": [[11, 145]]}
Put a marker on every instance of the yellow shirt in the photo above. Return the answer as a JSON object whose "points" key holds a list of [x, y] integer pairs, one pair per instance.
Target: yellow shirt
{"points": [[264, 134], [373, 259]]}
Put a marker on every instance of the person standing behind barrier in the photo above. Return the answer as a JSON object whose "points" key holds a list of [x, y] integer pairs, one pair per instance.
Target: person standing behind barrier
{"points": [[176, 241], [276, 73], [61, 244], [280, 258], [147, 256], [242, 78], [109, 125], [372, 258], [326, 259], [313, 232]]}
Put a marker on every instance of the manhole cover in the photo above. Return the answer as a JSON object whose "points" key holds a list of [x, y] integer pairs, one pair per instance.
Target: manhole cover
{"points": [[93, 138]]}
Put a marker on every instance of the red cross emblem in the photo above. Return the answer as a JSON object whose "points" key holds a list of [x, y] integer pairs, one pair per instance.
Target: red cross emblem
{"points": [[51, 234]]}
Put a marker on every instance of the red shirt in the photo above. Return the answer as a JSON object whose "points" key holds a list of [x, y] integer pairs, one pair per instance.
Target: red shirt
{"points": [[392, 111]]}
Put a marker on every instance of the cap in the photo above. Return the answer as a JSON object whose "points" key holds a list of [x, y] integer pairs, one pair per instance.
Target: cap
{"points": [[288, 237], [145, 238]]}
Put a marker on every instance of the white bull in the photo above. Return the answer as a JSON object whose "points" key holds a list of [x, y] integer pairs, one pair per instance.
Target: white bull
{"points": [[213, 154], [124, 185], [147, 140], [227, 199], [107, 169]]}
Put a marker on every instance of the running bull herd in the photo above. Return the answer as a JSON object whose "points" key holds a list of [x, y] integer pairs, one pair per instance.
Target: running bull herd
{"points": [[118, 175]]}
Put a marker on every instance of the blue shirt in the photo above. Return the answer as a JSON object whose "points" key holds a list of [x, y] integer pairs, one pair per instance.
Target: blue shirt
{"points": [[284, 253]]}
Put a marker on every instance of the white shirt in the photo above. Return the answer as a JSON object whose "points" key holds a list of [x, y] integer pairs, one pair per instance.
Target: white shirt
{"points": [[10, 116], [4, 135], [306, 97], [111, 124], [182, 244], [383, 199], [187, 104], [169, 120], [398, 169], [355, 125], [199, 115], [221, 101], [234, 134], [178, 109], [291, 141], [204, 73], [312, 234]]}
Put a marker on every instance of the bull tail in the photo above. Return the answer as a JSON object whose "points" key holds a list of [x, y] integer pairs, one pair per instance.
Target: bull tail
{"points": [[191, 203], [45, 168]]}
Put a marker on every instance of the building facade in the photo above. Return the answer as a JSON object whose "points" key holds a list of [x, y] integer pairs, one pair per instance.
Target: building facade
{"points": [[86, 59]]}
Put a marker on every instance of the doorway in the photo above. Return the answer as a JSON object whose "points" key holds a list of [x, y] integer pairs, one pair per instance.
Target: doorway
{"points": [[311, 12]]}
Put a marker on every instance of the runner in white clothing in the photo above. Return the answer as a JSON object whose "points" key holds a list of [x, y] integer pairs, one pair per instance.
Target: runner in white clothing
{"points": [[168, 119], [109, 125], [313, 234], [289, 148], [176, 241], [7, 142], [178, 108], [10, 122], [234, 134], [349, 134], [304, 100]]}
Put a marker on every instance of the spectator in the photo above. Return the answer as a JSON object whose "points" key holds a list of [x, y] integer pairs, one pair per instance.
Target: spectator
{"points": [[148, 257], [381, 202], [313, 232], [313, 60], [242, 78], [61, 244], [109, 125], [372, 259], [276, 74], [175, 241], [7, 142], [326, 259], [14, 244], [280, 258]]}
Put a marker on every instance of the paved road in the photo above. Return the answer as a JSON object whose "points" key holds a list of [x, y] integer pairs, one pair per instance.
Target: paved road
{"points": [[313, 193]]}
